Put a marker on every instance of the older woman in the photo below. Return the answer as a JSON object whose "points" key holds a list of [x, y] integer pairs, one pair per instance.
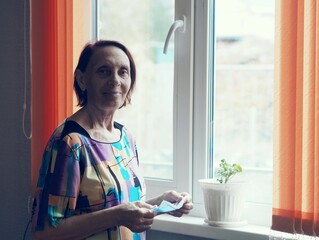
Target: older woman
{"points": [[90, 185]]}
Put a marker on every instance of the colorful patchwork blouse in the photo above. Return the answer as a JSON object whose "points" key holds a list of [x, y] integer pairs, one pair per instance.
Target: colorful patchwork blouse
{"points": [[81, 175]]}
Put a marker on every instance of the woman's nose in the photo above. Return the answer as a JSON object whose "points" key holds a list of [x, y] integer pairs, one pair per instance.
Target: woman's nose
{"points": [[115, 80]]}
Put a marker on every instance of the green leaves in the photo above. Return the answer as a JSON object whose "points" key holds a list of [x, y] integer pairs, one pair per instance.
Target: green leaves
{"points": [[227, 171]]}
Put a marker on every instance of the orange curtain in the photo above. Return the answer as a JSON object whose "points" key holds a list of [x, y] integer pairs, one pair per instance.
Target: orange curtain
{"points": [[59, 29], [296, 128], [51, 39]]}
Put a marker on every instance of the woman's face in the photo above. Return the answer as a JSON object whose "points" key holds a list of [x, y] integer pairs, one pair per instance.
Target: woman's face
{"points": [[107, 78]]}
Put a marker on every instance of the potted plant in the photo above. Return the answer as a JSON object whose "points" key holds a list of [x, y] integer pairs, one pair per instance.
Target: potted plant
{"points": [[224, 200]]}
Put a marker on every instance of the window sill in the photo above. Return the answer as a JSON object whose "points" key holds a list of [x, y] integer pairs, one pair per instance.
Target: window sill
{"points": [[195, 226]]}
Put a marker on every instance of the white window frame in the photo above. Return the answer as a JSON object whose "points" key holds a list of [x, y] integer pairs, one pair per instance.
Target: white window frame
{"points": [[192, 129], [202, 85], [204, 76], [191, 93], [182, 107]]}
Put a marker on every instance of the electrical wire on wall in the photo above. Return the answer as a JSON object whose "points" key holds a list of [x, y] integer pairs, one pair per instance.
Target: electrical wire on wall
{"points": [[26, 75]]}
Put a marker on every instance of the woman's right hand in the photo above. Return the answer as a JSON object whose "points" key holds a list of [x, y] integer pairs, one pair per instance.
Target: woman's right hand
{"points": [[137, 216]]}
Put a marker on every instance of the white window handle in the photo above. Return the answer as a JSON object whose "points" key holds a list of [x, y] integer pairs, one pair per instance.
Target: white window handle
{"points": [[181, 23]]}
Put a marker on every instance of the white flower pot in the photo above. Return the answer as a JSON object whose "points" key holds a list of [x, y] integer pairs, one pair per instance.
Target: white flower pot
{"points": [[224, 203]]}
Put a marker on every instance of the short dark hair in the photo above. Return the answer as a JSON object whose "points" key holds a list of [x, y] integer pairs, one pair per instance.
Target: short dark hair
{"points": [[84, 59]]}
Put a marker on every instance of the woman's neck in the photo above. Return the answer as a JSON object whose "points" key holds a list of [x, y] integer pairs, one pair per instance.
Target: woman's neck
{"points": [[98, 119], [99, 124]]}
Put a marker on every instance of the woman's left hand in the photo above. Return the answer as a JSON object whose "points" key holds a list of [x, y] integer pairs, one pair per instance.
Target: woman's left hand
{"points": [[173, 196]]}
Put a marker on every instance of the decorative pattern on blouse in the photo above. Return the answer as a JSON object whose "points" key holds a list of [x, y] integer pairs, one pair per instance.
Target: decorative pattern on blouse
{"points": [[81, 175]]}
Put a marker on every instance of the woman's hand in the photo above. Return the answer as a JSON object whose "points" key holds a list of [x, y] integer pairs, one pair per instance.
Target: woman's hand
{"points": [[137, 216], [173, 196]]}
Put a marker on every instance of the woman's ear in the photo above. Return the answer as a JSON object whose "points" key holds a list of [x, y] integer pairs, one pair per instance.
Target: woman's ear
{"points": [[79, 76]]}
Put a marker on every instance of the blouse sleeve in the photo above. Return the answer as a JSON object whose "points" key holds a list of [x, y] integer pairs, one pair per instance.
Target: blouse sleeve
{"points": [[61, 183], [64, 184]]}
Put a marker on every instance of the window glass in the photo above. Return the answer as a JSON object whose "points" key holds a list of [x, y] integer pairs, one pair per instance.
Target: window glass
{"points": [[142, 26], [243, 90]]}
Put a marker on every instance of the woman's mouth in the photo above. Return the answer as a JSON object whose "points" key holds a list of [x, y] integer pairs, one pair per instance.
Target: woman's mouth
{"points": [[114, 93]]}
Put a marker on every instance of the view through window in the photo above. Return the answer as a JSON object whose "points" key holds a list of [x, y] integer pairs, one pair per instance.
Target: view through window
{"points": [[142, 26], [243, 94]]}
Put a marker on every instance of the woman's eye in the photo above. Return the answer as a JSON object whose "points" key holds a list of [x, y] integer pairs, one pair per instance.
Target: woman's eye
{"points": [[104, 71], [124, 72]]}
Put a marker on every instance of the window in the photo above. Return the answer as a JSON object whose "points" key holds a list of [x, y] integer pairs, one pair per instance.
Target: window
{"points": [[209, 98]]}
